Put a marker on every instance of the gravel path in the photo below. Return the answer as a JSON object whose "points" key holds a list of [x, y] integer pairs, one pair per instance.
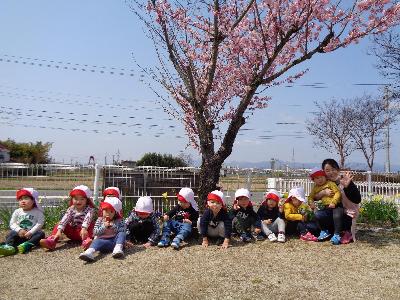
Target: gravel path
{"points": [[368, 269]]}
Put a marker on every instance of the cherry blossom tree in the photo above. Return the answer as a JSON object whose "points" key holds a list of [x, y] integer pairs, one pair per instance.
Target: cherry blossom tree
{"points": [[218, 58]]}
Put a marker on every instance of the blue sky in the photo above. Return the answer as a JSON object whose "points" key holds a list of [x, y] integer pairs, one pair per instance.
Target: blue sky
{"points": [[39, 101]]}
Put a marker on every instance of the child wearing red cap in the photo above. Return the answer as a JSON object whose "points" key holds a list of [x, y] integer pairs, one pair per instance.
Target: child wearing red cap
{"points": [[26, 224], [180, 219], [244, 217], [109, 231], [215, 222], [77, 223], [331, 206], [271, 219], [142, 223]]}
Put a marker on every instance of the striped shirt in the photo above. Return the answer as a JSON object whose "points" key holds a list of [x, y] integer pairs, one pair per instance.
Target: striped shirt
{"points": [[103, 232], [76, 218]]}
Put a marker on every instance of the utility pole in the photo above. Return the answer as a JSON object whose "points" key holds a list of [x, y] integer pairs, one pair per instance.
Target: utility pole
{"points": [[387, 131]]}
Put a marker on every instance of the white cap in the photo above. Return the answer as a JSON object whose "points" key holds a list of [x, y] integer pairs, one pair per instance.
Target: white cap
{"points": [[297, 192], [114, 202], [242, 192], [216, 196], [188, 195], [144, 204], [81, 190]]}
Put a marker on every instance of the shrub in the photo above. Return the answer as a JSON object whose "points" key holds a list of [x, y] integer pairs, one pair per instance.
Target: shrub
{"points": [[379, 210]]}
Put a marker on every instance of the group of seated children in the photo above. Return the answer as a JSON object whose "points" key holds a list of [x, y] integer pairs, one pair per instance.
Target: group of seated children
{"points": [[110, 232]]}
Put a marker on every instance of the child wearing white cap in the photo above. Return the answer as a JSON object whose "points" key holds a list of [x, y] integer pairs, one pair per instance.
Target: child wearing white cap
{"points": [[180, 219], [142, 223], [215, 222], [296, 222], [331, 206], [271, 218], [244, 216], [26, 224], [109, 231], [77, 223]]}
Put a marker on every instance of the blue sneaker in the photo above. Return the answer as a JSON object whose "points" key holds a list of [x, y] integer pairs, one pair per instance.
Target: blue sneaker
{"points": [[335, 240], [246, 237], [176, 242], [323, 235], [163, 243]]}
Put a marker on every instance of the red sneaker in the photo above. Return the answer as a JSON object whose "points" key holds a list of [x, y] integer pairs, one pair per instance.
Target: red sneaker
{"points": [[308, 237], [346, 238], [49, 243], [86, 243]]}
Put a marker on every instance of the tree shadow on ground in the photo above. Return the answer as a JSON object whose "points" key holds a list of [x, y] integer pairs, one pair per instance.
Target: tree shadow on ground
{"points": [[378, 238]]}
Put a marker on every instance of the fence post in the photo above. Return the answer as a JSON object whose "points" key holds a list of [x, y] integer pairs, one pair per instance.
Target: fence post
{"points": [[97, 169], [369, 179]]}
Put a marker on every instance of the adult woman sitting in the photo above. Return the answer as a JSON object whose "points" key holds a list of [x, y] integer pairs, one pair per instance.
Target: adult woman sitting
{"points": [[351, 199]]}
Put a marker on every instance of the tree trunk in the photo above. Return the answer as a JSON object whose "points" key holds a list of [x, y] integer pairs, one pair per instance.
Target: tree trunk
{"points": [[209, 177]]}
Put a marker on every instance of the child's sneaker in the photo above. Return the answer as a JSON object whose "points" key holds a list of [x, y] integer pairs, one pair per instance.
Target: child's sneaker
{"points": [[163, 243], [323, 235], [118, 251], [272, 237], [25, 247], [86, 243], [260, 237], [7, 250], [281, 238], [176, 243], [346, 238], [308, 237], [335, 240], [49, 243], [246, 237], [87, 255]]}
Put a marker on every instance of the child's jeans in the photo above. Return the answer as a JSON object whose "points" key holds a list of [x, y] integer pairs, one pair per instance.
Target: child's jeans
{"points": [[300, 227], [13, 239], [275, 227], [330, 219], [182, 230], [107, 245], [74, 233], [140, 232], [218, 231]]}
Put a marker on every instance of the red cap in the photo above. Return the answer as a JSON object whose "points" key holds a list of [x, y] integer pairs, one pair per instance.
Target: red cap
{"points": [[23, 192], [212, 196], [272, 196], [181, 198]]}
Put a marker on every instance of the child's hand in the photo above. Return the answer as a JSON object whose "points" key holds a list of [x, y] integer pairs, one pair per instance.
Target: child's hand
{"points": [[166, 218], [128, 244], [280, 209], [205, 242], [267, 221], [84, 233], [312, 205], [107, 223], [147, 245], [187, 221], [257, 230], [58, 234], [331, 205], [28, 235], [236, 207], [225, 244], [22, 233]]}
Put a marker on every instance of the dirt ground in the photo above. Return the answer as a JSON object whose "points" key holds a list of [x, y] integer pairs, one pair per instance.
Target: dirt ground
{"points": [[368, 269]]}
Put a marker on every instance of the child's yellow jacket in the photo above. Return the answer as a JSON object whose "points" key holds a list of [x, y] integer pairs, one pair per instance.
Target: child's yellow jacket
{"points": [[292, 213], [326, 200]]}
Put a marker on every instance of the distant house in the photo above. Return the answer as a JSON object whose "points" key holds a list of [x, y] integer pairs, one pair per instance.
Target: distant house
{"points": [[4, 154]]}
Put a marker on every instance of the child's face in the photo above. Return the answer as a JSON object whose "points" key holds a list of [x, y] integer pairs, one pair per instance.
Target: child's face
{"points": [[243, 201], [142, 215], [319, 180], [296, 202], [271, 203], [108, 213], [79, 202], [215, 206], [26, 203], [184, 205]]}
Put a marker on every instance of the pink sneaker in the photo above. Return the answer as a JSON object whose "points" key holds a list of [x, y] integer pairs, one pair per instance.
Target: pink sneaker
{"points": [[49, 243], [86, 243], [309, 237], [346, 238]]}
